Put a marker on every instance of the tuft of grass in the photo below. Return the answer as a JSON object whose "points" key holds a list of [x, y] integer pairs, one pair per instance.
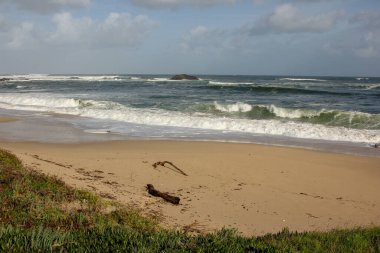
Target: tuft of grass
{"points": [[42, 214]]}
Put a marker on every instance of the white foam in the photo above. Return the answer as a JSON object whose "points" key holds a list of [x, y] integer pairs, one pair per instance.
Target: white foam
{"points": [[159, 79], [292, 113], [99, 78], [373, 86], [47, 77], [164, 79], [303, 79], [237, 107], [98, 131], [281, 112], [113, 111], [227, 83], [271, 127], [33, 101]]}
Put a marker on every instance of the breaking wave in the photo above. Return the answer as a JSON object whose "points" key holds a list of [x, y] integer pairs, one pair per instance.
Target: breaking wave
{"points": [[298, 123], [349, 119], [48, 77], [303, 79]]}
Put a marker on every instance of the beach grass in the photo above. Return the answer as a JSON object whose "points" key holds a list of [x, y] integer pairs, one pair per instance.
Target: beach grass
{"points": [[40, 213]]}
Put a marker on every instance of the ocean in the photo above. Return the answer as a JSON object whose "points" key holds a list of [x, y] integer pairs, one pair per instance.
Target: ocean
{"points": [[282, 109]]}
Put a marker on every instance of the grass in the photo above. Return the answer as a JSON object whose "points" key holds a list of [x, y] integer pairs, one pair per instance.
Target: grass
{"points": [[41, 214], [30, 199]]}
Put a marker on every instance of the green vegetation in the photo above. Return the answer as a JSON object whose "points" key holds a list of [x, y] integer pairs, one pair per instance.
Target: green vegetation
{"points": [[42, 214], [30, 199]]}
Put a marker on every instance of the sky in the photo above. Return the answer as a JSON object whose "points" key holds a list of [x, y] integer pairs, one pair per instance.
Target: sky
{"points": [[227, 37]]}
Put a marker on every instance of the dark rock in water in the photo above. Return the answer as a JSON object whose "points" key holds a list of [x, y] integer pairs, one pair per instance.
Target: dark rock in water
{"points": [[184, 77], [4, 79]]}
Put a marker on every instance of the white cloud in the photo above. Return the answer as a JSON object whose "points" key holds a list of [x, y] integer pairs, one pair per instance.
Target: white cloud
{"points": [[370, 45], [124, 29], [179, 3], [45, 6], [117, 29], [368, 30], [196, 38], [70, 29], [288, 19], [21, 36], [285, 19], [202, 39], [16, 36]]}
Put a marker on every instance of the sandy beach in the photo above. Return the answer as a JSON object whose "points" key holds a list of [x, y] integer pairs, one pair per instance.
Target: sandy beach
{"points": [[254, 188]]}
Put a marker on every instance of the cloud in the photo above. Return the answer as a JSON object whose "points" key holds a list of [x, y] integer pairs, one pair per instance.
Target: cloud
{"points": [[285, 19], [3, 23], [116, 30], [46, 6], [122, 29], [21, 36], [179, 3], [16, 36], [368, 30], [288, 19], [367, 19], [202, 39], [197, 38], [70, 29]]}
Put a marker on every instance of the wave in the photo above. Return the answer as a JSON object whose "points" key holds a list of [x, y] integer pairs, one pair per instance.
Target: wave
{"points": [[349, 119], [238, 107], [108, 110], [218, 83], [276, 89], [48, 77], [168, 80], [159, 79], [302, 79], [372, 87], [271, 110]]}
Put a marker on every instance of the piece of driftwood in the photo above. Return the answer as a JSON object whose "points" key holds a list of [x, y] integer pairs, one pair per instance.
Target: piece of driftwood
{"points": [[170, 163], [169, 198]]}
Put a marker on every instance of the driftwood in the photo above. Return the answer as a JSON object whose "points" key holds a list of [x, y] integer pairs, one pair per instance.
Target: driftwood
{"points": [[170, 163], [152, 191]]}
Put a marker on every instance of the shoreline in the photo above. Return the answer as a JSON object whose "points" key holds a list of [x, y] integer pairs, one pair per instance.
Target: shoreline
{"points": [[18, 126], [260, 189]]}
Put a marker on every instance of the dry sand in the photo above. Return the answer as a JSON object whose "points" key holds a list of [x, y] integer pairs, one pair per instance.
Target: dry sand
{"points": [[254, 188]]}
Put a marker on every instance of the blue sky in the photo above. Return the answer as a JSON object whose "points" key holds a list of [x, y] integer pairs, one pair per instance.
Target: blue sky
{"points": [[254, 37]]}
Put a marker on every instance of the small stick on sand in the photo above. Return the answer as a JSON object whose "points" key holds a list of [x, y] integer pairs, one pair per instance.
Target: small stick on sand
{"points": [[152, 191], [170, 163]]}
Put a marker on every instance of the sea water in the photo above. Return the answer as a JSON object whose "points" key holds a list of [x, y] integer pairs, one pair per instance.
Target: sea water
{"points": [[225, 108]]}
